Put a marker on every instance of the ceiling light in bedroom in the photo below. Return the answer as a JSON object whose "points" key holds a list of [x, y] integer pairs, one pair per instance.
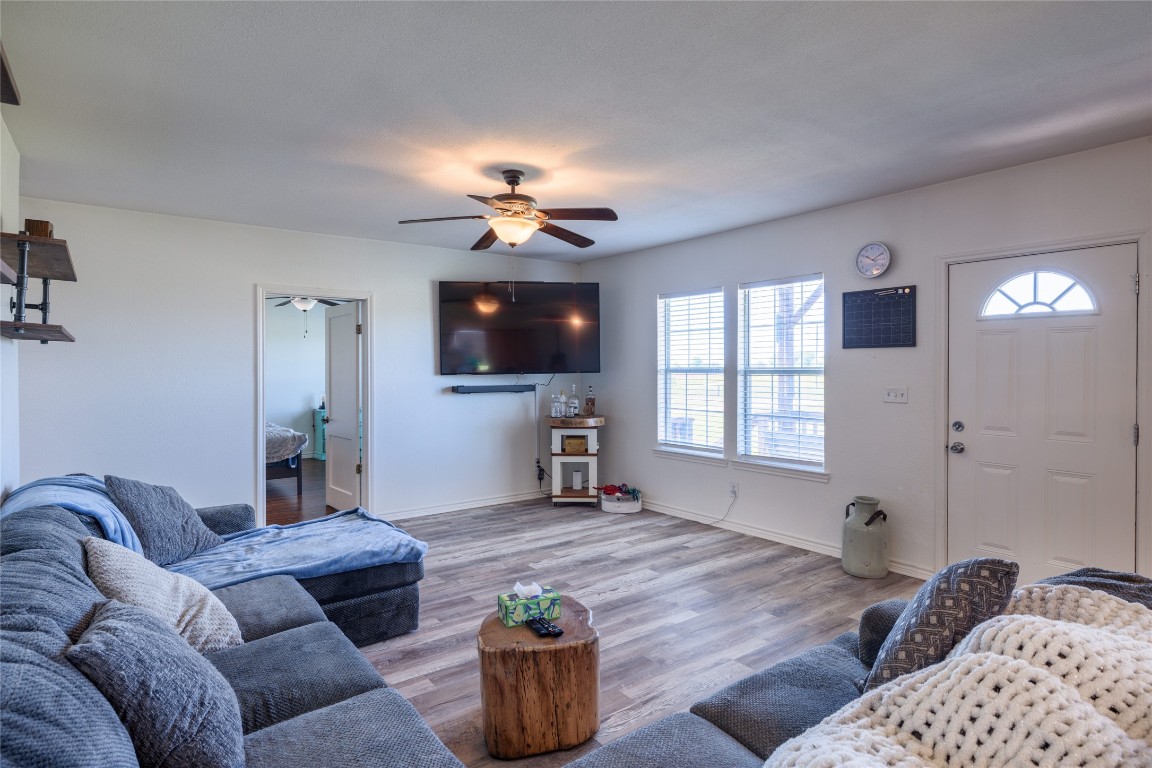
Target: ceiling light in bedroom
{"points": [[302, 303]]}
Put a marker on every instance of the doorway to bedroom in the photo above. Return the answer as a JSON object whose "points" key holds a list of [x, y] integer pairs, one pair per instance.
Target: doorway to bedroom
{"points": [[313, 403]]}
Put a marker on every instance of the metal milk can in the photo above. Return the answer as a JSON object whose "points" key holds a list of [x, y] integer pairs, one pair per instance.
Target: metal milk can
{"points": [[865, 545]]}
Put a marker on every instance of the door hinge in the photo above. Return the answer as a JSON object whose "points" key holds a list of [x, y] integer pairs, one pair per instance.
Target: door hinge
{"points": [[1136, 434], [359, 329], [1136, 283], [359, 469]]}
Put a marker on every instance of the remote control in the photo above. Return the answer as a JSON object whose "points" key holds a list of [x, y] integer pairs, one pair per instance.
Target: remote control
{"points": [[539, 626], [544, 628]]}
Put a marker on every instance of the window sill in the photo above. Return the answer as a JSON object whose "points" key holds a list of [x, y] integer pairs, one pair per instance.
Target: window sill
{"points": [[811, 475], [665, 452]]}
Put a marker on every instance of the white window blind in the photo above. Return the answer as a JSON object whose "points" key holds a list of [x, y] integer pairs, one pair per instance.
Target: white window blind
{"points": [[690, 371], [780, 414]]}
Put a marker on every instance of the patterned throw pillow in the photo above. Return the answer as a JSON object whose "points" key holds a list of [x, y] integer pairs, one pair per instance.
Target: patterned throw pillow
{"points": [[945, 609], [184, 604], [178, 709], [168, 528]]}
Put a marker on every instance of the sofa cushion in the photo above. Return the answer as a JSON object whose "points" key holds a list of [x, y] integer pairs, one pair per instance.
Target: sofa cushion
{"points": [[876, 624], [764, 710], [287, 674], [942, 612], [229, 518], [681, 740], [50, 714], [43, 528], [184, 604], [51, 583], [178, 709], [168, 528], [269, 605], [378, 727], [1127, 586]]}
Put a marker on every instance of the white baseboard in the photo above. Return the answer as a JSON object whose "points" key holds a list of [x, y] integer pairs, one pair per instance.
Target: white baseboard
{"points": [[454, 506], [811, 545]]}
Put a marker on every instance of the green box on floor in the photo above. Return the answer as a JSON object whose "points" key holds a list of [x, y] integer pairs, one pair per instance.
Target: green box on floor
{"points": [[515, 610]]}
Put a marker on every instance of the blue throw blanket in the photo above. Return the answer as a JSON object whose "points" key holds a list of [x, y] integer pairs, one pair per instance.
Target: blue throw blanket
{"points": [[339, 542], [82, 494]]}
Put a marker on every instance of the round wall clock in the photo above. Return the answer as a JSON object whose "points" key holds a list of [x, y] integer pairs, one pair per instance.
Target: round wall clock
{"points": [[873, 260]]}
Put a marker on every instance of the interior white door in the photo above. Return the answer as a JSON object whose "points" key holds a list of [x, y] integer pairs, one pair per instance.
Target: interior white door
{"points": [[342, 468], [1047, 402]]}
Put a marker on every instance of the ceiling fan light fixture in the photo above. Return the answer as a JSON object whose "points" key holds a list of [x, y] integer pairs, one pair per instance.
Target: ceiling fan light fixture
{"points": [[513, 230], [302, 303]]}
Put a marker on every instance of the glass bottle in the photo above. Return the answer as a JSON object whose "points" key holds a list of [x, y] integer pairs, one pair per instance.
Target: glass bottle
{"points": [[556, 410], [562, 400], [589, 404], [573, 404]]}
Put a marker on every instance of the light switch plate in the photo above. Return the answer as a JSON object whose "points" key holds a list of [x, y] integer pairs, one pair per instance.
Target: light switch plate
{"points": [[896, 395]]}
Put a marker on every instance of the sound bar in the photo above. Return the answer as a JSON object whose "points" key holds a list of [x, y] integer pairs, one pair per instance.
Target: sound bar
{"points": [[466, 390]]}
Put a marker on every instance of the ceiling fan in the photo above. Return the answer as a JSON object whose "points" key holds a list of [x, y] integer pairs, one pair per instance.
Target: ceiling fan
{"points": [[304, 303], [517, 217]]}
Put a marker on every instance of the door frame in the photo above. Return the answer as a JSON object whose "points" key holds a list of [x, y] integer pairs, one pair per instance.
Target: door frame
{"points": [[263, 290], [1143, 241]]}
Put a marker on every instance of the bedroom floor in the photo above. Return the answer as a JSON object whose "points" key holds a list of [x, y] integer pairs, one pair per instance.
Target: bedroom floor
{"points": [[282, 504]]}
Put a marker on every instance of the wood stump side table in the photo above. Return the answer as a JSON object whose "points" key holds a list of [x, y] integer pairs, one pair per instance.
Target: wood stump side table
{"points": [[539, 694]]}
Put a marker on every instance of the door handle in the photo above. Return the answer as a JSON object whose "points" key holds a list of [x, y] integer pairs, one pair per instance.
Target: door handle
{"points": [[956, 447]]}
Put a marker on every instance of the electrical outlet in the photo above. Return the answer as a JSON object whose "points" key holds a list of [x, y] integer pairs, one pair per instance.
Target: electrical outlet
{"points": [[896, 395], [734, 490]]}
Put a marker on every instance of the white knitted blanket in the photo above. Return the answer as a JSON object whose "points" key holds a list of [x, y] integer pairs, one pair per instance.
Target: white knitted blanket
{"points": [[1062, 679]]}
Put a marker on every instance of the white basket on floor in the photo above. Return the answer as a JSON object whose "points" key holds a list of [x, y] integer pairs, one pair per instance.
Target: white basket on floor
{"points": [[624, 505]]}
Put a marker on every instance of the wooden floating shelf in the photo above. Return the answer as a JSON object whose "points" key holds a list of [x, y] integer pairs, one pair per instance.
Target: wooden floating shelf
{"points": [[47, 256], [34, 332]]}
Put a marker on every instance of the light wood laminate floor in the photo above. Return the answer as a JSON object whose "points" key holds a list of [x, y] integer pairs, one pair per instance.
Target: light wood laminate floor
{"points": [[682, 609]]}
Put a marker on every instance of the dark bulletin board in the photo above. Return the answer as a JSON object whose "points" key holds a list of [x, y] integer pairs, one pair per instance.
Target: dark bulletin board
{"points": [[882, 318]]}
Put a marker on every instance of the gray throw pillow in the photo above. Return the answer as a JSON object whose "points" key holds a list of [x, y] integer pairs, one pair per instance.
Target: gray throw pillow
{"points": [[944, 610], [178, 709], [168, 527]]}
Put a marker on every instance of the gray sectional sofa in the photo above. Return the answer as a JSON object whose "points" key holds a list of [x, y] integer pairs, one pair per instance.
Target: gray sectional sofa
{"points": [[837, 689], [89, 681]]}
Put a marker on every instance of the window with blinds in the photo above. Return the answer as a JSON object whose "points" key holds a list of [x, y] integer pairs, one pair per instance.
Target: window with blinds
{"points": [[690, 371], [780, 371]]}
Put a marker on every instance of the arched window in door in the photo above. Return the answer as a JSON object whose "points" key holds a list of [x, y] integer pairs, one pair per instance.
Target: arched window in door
{"points": [[1039, 293]]}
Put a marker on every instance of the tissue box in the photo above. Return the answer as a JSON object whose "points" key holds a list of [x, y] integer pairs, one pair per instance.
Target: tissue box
{"points": [[515, 610]]}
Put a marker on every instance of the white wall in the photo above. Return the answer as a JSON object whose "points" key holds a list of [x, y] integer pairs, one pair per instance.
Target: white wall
{"points": [[10, 221], [889, 451], [160, 384], [293, 367]]}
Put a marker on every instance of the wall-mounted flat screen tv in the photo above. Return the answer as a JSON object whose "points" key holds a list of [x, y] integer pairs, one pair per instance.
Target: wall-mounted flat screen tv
{"points": [[537, 328]]}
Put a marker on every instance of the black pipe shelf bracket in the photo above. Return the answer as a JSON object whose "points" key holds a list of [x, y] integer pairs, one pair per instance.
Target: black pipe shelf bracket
{"points": [[45, 258]]}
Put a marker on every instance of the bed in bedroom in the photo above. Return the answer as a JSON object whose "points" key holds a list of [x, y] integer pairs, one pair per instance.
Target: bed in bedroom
{"points": [[282, 449]]}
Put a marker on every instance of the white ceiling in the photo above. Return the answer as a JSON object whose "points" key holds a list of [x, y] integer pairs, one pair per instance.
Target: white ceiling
{"points": [[688, 118]]}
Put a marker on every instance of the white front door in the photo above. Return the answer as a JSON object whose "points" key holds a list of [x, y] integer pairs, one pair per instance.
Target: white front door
{"points": [[342, 468], [1042, 404]]}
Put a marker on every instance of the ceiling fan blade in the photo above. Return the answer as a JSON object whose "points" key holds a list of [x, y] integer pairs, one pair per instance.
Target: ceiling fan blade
{"points": [[486, 200], [441, 218], [486, 240], [327, 303], [284, 302], [566, 235], [582, 214]]}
